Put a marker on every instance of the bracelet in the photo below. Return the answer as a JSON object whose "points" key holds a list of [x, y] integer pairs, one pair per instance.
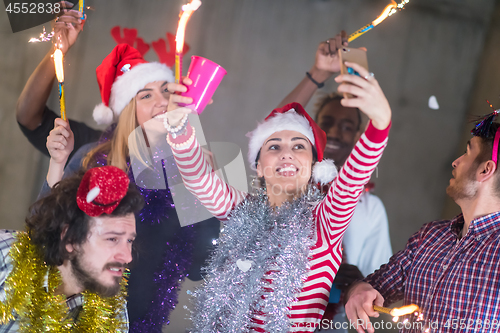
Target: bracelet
{"points": [[319, 85], [185, 143], [179, 129]]}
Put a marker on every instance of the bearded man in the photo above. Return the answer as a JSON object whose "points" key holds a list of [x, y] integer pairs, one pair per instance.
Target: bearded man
{"points": [[449, 268], [66, 272]]}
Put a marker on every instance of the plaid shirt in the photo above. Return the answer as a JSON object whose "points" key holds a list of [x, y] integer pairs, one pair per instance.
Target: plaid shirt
{"points": [[74, 303], [455, 282]]}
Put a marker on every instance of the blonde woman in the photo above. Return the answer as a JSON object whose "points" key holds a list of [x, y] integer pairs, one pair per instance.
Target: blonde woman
{"points": [[133, 92]]}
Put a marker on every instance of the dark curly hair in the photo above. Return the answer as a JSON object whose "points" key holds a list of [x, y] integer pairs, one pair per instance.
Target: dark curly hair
{"points": [[58, 210], [487, 143]]}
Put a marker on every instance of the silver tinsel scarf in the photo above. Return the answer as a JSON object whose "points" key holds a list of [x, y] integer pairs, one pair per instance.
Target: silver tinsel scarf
{"points": [[275, 243]]}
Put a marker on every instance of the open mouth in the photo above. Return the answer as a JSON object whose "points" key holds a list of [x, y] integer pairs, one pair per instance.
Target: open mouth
{"points": [[115, 268], [160, 115], [287, 170], [116, 271], [333, 144]]}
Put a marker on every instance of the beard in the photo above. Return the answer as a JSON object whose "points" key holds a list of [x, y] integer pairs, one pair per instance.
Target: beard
{"points": [[464, 187], [87, 279]]}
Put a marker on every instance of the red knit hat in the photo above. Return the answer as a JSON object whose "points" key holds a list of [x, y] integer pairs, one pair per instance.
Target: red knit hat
{"points": [[101, 190], [293, 117], [120, 76]]}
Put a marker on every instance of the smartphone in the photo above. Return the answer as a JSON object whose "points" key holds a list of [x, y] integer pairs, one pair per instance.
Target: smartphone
{"points": [[357, 56]]}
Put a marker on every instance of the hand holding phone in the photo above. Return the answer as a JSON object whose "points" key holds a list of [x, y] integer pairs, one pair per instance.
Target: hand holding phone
{"points": [[357, 56]]}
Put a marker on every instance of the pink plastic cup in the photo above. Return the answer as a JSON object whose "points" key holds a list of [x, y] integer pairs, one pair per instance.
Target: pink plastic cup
{"points": [[206, 76]]}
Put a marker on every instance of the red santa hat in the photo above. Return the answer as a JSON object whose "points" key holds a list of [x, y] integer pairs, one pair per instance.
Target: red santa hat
{"points": [[293, 117], [101, 190], [120, 76]]}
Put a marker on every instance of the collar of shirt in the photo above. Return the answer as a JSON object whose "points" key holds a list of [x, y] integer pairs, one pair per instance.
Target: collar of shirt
{"points": [[480, 227], [72, 302]]}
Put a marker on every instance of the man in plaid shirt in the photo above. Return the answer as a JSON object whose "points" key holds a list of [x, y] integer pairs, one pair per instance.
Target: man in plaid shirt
{"points": [[450, 268], [87, 234]]}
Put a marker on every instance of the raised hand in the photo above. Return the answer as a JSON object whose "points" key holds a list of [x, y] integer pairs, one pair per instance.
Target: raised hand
{"points": [[174, 112], [60, 141], [327, 55], [67, 27], [367, 95], [360, 300]]}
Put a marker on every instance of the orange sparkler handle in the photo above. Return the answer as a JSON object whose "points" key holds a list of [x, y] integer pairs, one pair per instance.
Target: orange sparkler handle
{"points": [[388, 11], [62, 101], [178, 67], [359, 32], [382, 309], [81, 8]]}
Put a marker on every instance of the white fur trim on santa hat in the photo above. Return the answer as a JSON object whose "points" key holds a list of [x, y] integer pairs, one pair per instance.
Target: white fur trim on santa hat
{"points": [[129, 83], [324, 171], [102, 114], [289, 120]]}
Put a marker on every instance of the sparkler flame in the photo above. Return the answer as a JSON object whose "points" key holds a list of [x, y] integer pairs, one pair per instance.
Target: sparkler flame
{"points": [[385, 13], [388, 11], [58, 61], [404, 310], [192, 6], [187, 10], [44, 37]]}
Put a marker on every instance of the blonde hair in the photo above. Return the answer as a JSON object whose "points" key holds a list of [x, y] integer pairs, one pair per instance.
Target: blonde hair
{"points": [[117, 148]]}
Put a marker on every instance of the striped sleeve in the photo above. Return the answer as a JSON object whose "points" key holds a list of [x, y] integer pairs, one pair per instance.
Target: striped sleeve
{"points": [[201, 180], [333, 215], [336, 210]]}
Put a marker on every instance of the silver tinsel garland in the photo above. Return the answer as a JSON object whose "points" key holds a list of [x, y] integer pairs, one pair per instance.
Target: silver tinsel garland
{"points": [[258, 244]]}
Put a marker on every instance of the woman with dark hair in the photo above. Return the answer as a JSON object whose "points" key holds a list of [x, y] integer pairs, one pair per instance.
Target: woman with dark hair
{"points": [[280, 247]]}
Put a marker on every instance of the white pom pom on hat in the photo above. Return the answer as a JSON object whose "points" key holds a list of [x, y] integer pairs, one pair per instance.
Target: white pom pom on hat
{"points": [[324, 172], [102, 114]]}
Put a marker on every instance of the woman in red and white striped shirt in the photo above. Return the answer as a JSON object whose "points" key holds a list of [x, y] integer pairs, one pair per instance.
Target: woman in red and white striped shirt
{"points": [[280, 247]]}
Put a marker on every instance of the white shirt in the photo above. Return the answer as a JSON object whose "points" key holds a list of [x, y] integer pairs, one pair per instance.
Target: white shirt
{"points": [[366, 242]]}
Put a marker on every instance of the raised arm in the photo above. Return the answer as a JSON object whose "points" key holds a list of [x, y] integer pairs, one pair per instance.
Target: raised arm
{"points": [[337, 208], [60, 144], [197, 173], [325, 65], [31, 103], [201, 180]]}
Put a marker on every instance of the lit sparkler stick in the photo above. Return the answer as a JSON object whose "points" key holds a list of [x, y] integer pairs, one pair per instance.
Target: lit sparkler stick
{"points": [[388, 11], [185, 14], [397, 312], [58, 62], [81, 8]]}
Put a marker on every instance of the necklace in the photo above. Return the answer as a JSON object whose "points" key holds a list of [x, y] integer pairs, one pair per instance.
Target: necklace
{"points": [[39, 309]]}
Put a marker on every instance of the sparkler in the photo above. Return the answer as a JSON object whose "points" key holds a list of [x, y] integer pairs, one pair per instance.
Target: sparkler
{"points": [[388, 11], [398, 312], [81, 8], [185, 14]]}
